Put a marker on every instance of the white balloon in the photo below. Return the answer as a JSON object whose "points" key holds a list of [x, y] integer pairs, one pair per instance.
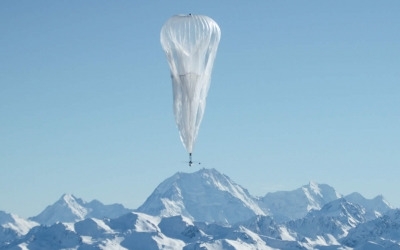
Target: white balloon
{"points": [[190, 43]]}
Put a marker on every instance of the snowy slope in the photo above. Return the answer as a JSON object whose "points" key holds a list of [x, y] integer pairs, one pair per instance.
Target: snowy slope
{"points": [[259, 232], [12, 227], [57, 236], [205, 195], [267, 226], [130, 231], [318, 230], [207, 210], [138, 231], [71, 209], [374, 208], [328, 225], [381, 233], [289, 205]]}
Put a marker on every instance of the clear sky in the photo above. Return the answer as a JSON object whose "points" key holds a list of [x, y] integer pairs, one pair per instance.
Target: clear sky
{"points": [[301, 91]]}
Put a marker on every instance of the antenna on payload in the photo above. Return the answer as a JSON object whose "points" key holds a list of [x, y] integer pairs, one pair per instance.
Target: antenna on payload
{"points": [[190, 160]]}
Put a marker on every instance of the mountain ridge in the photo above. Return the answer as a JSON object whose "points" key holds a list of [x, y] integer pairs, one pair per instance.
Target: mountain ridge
{"points": [[208, 210], [69, 208], [205, 195]]}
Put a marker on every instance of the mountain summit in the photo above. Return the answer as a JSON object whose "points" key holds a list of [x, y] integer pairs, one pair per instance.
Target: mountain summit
{"points": [[207, 210], [12, 226], [71, 209], [289, 205], [205, 195]]}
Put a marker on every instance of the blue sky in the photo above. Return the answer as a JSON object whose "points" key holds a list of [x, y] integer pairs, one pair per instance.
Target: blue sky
{"points": [[300, 91]]}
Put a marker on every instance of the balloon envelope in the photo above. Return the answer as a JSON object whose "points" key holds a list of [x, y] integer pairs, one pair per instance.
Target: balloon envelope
{"points": [[190, 43]]}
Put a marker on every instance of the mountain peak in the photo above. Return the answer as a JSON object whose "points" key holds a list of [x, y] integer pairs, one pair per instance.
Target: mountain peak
{"points": [[218, 180], [206, 209], [319, 194], [72, 209], [314, 187], [77, 206], [381, 198], [66, 209], [375, 207], [205, 195], [295, 204], [13, 226], [68, 198], [343, 208]]}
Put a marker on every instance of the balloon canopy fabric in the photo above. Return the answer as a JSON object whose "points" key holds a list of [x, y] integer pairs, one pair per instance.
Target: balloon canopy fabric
{"points": [[190, 43]]}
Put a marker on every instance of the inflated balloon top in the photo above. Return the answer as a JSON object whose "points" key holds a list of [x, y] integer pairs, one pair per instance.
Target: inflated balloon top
{"points": [[190, 43]]}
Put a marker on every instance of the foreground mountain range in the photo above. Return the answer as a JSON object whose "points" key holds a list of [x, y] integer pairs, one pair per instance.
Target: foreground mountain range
{"points": [[207, 210]]}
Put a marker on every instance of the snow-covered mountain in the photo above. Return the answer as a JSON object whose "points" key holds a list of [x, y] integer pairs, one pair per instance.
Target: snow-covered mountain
{"points": [[381, 233], [207, 210], [137, 231], [290, 205], [12, 226], [268, 227], [71, 209], [205, 195], [374, 208], [328, 225]]}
